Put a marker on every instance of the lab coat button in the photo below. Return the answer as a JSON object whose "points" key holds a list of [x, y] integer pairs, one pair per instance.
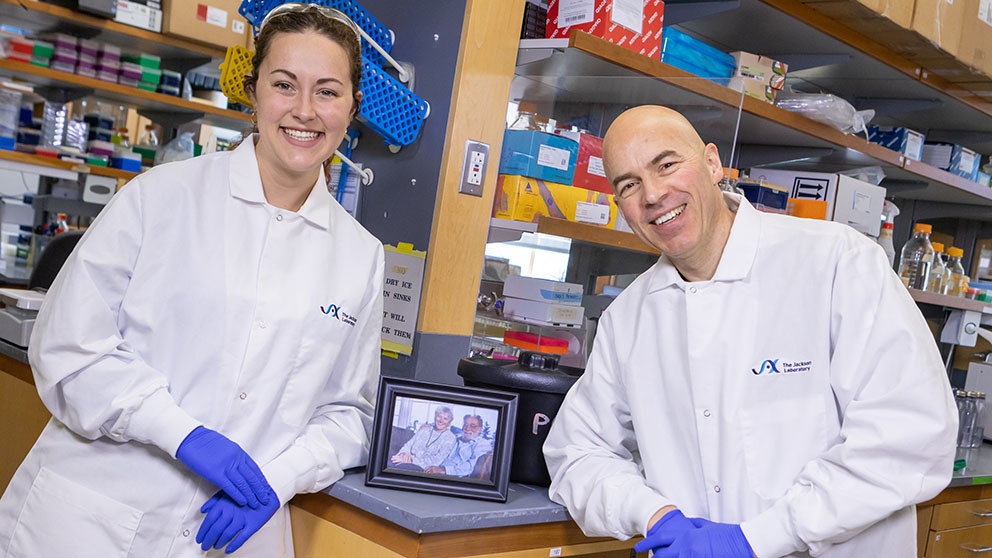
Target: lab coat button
{"points": [[243, 395], [279, 217], [716, 489], [263, 324], [186, 532], [707, 413], [692, 290]]}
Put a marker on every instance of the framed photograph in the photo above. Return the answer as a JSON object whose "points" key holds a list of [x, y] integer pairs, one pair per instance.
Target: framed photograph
{"points": [[442, 439]]}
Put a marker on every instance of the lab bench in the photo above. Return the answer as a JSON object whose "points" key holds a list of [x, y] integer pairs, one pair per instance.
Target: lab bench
{"points": [[351, 519]]}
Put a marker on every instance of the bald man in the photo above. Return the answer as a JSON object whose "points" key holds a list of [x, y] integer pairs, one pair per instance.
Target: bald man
{"points": [[767, 388]]}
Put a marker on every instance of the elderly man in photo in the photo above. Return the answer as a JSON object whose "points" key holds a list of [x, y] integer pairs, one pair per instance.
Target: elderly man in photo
{"points": [[769, 377], [469, 447], [429, 446]]}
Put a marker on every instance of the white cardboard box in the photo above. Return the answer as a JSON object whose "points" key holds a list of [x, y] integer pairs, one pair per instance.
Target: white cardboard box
{"points": [[849, 201], [139, 15], [542, 313], [531, 288]]}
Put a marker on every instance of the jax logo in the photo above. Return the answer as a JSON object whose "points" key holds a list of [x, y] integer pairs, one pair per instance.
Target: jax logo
{"points": [[767, 367], [335, 311], [774, 367]]}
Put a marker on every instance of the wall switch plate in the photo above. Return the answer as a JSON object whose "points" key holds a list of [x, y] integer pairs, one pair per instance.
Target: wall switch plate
{"points": [[474, 168]]}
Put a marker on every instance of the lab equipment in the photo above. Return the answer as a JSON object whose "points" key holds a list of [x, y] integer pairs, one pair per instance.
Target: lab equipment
{"points": [[916, 259], [885, 241], [18, 316], [665, 531], [958, 284], [244, 522], [216, 458], [979, 379], [971, 414], [935, 281], [709, 539]]}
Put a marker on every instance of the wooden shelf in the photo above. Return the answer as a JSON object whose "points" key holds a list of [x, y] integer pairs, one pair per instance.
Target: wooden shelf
{"points": [[956, 302], [592, 234], [592, 70], [35, 16], [64, 165], [133, 96]]}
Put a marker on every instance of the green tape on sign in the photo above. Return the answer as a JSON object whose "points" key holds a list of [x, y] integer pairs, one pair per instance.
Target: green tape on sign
{"points": [[981, 480]]}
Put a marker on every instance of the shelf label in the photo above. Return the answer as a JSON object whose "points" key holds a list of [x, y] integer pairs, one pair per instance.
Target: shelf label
{"points": [[628, 13], [211, 15], [575, 12], [985, 11], [594, 213], [596, 166], [553, 157]]}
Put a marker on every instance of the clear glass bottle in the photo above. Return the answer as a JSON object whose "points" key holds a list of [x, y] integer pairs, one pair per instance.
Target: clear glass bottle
{"points": [[958, 284], [124, 140], [885, 241], [149, 137], [935, 283], [525, 121], [916, 259]]}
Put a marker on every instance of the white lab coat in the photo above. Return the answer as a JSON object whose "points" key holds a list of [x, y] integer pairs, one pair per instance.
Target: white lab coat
{"points": [[193, 301], [798, 393]]}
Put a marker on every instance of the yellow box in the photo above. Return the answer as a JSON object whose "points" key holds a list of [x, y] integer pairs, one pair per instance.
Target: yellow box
{"points": [[522, 199]]}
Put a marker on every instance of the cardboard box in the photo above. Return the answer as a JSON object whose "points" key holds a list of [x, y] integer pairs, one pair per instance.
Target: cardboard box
{"points": [[975, 37], [868, 16], [523, 199], [849, 201], [901, 140], [941, 22], [589, 172], [616, 21], [753, 88], [215, 22], [760, 68], [544, 290], [542, 313], [139, 15], [538, 155]]}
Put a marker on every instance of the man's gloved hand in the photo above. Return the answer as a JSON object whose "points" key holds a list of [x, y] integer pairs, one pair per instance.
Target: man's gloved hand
{"points": [[664, 531], [226, 521], [709, 540], [219, 460]]}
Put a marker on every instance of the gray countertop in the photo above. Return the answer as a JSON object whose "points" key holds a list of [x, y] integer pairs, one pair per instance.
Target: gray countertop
{"points": [[978, 466], [429, 513]]}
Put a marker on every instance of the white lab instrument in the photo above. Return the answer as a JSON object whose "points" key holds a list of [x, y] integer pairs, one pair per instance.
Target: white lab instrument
{"points": [[18, 315], [980, 379]]}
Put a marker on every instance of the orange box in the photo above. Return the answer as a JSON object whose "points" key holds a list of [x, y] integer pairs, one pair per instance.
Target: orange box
{"points": [[599, 18], [811, 209]]}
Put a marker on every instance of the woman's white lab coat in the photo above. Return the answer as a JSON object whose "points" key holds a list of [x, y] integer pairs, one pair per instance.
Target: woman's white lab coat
{"points": [[799, 393], [192, 301]]}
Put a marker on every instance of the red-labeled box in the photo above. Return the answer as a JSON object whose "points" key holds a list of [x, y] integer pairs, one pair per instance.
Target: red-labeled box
{"points": [[589, 172], [634, 24]]}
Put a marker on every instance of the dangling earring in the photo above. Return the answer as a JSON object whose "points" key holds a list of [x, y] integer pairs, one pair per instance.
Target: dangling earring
{"points": [[254, 120]]}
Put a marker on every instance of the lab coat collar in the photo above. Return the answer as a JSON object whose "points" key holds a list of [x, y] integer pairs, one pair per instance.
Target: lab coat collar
{"points": [[738, 254], [246, 184]]}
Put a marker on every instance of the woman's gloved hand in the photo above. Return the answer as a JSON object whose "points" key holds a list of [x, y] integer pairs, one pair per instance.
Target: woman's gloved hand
{"points": [[708, 540], [226, 520], [665, 531], [219, 460]]}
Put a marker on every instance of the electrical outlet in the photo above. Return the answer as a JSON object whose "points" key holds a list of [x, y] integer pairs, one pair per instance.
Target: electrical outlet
{"points": [[474, 168]]}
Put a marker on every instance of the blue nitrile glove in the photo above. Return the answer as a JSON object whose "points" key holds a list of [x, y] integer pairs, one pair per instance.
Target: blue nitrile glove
{"points": [[664, 531], [225, 519], [709, 540], [219, 460]]}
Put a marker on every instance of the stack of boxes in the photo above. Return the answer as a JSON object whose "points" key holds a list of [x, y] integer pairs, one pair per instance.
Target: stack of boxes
{"points": [[535, 20], [955, 159], [10, 109], [108, 64], [30, 51], [87, 54], [65, 56], [141, 70], [758, 76], [902, 140], [543, 302], [639, 32], [696, 57], [170, 83]]}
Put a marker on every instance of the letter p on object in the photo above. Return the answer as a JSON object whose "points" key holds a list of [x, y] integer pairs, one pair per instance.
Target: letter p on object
{"points": [[540, 419]]}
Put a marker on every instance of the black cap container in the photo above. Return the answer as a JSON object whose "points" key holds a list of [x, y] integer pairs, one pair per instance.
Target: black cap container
{"points": [[541, 385]]}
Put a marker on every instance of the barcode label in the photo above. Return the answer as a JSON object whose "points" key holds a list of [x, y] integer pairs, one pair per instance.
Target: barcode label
{"points": [[594, 213], [575, 12], [553, 157]]}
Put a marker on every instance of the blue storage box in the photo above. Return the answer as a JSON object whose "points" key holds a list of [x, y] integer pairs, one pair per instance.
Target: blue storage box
{"points": [[903, 140], [764, 196], [982, 178], [718, 76], [680, 50], [965, 162], [539, 155], [7, 143], [124, 164]]}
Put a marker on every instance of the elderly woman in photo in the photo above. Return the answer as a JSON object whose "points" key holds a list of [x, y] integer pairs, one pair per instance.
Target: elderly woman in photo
{"points": [[429, 446]]}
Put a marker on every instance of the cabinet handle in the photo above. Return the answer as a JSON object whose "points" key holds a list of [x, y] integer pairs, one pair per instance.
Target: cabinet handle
{"points": [[972, 547], [986, 513]]}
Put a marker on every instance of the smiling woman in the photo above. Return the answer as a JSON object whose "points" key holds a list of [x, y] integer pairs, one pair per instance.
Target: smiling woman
{"points": [[263, 385]]}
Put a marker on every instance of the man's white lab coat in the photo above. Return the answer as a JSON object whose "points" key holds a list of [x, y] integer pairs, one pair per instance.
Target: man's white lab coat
{"points": [[799, 393], [192, 301]]}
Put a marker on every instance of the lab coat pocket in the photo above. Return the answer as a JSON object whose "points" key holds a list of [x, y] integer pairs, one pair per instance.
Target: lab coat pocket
{"points": [[320, 349], [62, 518], [780, 437]]}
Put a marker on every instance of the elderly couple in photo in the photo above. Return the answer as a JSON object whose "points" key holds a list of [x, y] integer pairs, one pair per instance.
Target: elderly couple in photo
{"points": [[435, 449]]}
